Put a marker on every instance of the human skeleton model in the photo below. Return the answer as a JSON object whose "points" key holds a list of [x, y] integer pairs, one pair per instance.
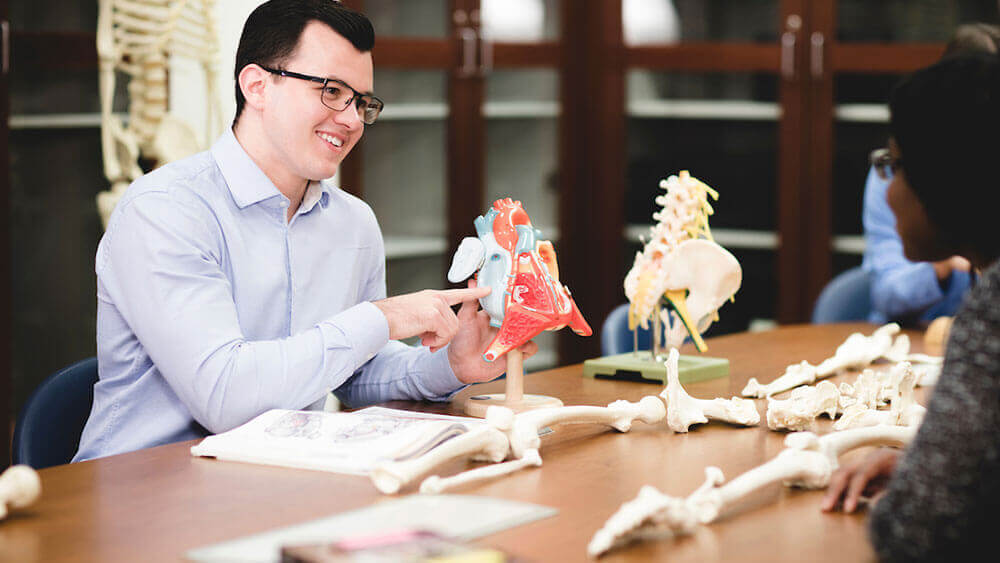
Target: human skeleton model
{"points": [[19, 487], [139, 38], [522, 433], [807, 461], [509, 434], [527, 298], [859, 403], [681, 264]]}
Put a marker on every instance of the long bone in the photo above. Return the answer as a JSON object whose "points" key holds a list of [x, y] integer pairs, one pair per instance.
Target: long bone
{"points": [[522, 430], [484, 442], [807, 461], [435, 484], [802, 373], [857, 352], [683, 410], [19, 487]]}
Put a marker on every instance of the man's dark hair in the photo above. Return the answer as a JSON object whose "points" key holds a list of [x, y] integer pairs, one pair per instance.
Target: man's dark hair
{"points": [[271, 33], [945, 120]]}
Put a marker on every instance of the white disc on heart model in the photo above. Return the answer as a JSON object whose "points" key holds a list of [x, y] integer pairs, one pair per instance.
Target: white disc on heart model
{"points": [[468, 258]]}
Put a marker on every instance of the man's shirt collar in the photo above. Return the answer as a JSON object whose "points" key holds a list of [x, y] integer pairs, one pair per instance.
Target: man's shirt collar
{"points": [[248, 183]]}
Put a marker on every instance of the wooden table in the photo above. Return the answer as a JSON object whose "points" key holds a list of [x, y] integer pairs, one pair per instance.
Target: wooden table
{"points": [[158, 503]]}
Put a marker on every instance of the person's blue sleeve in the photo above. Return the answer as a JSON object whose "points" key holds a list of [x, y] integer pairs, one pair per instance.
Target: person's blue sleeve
{"points": [[900, 287], [162, 267], [398, 371]]}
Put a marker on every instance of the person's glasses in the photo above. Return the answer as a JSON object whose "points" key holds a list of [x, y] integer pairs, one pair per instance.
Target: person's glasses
{"points": [[884, 163], [337, 95]]}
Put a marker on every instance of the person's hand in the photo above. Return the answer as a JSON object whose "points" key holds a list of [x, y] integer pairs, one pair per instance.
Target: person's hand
{"points": [[867, 477], [465, 354], [944, 268], [428, 314]]}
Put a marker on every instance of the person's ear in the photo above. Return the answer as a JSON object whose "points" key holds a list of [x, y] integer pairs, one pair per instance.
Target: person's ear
{"points": [[253, 84]]}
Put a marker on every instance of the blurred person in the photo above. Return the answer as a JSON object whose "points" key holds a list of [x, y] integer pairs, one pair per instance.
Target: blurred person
{"points": [[937, 500], [903, 290]]}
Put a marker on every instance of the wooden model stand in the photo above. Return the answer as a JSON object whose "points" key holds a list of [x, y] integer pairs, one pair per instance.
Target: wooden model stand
{"points": [[514, 398]]}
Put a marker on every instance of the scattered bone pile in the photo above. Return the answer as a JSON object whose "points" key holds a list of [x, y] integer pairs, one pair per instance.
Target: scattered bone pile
{"points": [[808, 461], [878, 407]]}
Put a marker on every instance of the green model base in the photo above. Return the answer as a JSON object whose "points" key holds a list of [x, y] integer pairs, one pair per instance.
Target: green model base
{"points": [[640, 366]]}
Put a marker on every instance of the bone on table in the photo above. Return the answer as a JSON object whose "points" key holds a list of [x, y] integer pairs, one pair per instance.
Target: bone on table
{"points": [[19, 487], [483, 442], [803, 406], [684, 410], [903, 407], [522, 428], [435, 484], [807, 461], [858, 351], [522, 431]]}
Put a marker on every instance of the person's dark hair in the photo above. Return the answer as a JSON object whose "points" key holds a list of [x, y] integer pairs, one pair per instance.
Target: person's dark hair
{"points": [[945, 120], [974, 38], [271, 33]]}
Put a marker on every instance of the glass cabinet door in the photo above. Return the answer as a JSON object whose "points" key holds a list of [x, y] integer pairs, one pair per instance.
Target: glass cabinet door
{"points": [[400, 165], [703, 94], [56, 170], [521, 113]]}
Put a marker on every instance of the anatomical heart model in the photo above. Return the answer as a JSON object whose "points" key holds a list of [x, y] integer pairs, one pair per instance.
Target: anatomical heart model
{"points": [[511, 258]]}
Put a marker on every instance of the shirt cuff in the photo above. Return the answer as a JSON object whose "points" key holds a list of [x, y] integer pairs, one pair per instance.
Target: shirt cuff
{"points": [[438, 378], [363, 327]]}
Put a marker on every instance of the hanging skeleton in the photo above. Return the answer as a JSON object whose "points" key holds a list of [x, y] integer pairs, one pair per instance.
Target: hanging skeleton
{"points": [[140, 38]]}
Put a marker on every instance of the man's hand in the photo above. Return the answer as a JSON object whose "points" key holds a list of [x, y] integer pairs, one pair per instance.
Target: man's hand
{"points": [[428, 314], [867, 477], [466, 351]]}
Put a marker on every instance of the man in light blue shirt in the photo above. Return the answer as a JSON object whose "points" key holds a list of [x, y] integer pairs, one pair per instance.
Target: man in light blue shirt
{"points": [[238, 281], [903, 290]]}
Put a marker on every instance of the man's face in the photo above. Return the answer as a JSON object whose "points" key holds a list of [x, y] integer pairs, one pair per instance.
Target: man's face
{"points": [[309, 140], [921, 240]]}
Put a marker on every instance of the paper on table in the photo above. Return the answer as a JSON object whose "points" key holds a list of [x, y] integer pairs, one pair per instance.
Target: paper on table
{"points": [[338, 442], [461, 517]]}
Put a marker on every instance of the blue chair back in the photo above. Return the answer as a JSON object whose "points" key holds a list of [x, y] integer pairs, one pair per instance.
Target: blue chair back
{"points": [[49, 426], [846, 298], [616, 338]]}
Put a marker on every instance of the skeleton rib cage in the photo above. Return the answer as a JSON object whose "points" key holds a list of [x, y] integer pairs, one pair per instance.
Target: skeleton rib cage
{"points": [[138, 38]]}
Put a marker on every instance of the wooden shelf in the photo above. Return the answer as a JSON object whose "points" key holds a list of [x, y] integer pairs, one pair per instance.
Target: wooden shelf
{"points": [[701, 109], [862, 113]]}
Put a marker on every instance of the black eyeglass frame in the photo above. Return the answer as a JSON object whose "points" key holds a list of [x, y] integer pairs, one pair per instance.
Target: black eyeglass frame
{"points": [[371, 101], [884, 163]]}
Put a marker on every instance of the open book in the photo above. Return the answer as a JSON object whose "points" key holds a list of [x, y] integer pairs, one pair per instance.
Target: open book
{"points": [[339, 442]]}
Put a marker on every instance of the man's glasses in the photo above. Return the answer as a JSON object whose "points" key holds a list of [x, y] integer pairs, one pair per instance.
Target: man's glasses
{"points": [[337, 95], [884, 164]]}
